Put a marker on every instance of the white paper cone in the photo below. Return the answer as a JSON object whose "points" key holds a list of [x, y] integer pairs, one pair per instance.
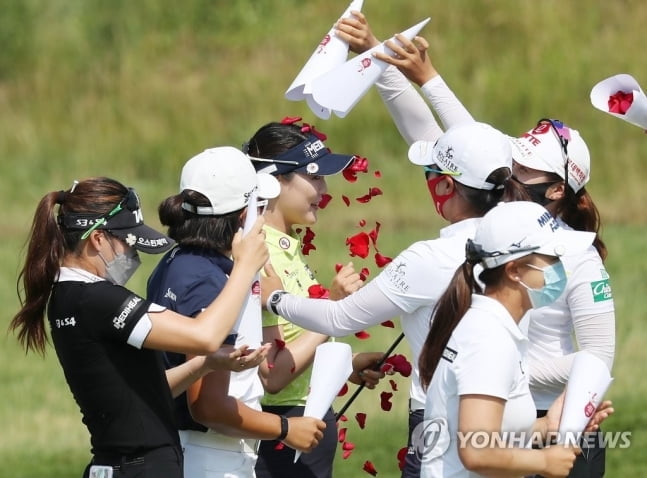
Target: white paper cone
{"points": [[333, 364], [637, 112], [588, 382], [341, 88], [330, 52], [248, 326]]}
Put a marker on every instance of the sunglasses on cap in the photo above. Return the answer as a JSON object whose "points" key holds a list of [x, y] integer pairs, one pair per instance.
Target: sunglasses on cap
{"points": [[429, 170], [474, 253], [130, 201], [563, 134]]}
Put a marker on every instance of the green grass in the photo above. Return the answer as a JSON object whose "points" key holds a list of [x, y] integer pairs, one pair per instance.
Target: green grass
{"points": [[133, 89]]}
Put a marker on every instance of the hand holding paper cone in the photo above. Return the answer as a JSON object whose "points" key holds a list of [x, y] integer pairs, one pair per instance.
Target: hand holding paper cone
{"points": [[341, 88], [330, 370], [622, 97], [588, 382]]}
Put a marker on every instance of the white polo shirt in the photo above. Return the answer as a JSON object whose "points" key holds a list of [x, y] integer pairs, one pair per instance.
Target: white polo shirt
{"points": [[484, 356], [415, 280]]}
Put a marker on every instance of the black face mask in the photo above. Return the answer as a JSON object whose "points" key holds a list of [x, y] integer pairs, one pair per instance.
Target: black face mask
{"points": [[537, 192]]}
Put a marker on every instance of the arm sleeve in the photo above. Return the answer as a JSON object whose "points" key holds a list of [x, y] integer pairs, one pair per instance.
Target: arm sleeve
{"points": [[410, 113], [594, 333], [445, 103], [362, 309]]}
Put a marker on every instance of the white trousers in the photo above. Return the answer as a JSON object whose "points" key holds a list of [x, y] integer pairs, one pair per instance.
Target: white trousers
{"points": [[212, 455]]}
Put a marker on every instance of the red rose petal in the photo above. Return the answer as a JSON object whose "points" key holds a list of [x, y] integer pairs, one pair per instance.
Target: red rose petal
{"points": [[388, 323], [347, 446], [361, 419], [362, 223], [270, 365], [400, 364], [338, 267], [358, 245], [279, 446], [308, 236], [291, 119], [343, 390], [369, 468], [386, 367], [402, 454], [394, 385], [362, 335], [298, 230], [346, 453], [381, 260], [620, 102], [364, 199], [280, 344], [377, 174], [305, 250], [325, 199], [385, 401], [341, 435], [375, 233], [365, 271], [317, 291], [293, 369], [343, 418], [346, 200]]}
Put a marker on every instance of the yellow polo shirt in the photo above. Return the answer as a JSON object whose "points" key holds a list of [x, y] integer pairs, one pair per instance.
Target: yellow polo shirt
{"points": [[289, 264]]}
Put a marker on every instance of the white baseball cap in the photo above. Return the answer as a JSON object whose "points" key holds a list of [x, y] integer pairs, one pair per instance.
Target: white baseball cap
{"points": [[540, 149], [469, 152], [227, 178], [516, 229]]}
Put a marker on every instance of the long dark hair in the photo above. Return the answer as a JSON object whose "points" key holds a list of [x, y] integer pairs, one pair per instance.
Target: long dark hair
{"points": [[214, 233], [47, 245], [578, 210], [448, 312]]}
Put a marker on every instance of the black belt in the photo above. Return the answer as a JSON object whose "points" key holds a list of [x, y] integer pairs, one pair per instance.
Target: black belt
{"points": [[133, 459]]}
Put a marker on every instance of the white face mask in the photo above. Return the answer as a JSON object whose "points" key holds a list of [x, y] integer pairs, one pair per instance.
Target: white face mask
{"points": [[122, 266]]}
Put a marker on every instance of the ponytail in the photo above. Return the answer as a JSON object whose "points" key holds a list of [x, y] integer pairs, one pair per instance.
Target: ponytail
{"points": [[47, 245], [448, 312], [579, 211]]}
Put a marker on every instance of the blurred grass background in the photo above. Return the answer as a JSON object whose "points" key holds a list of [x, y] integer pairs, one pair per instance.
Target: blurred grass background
{"points": [[133, 89]]}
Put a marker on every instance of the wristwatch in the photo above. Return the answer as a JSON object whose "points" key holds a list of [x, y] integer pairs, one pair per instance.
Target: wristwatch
{"points": [[274, 299]]}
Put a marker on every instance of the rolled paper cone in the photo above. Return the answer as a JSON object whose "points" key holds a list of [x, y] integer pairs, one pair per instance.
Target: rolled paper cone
{"points": [[636, 114], [587, 383], [248, 326], [341, 88], [333, 364], [331, 52]]}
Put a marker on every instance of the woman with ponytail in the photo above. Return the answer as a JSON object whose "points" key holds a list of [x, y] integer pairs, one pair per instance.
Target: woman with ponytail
{"points": [[79, 257], [479, 413]]}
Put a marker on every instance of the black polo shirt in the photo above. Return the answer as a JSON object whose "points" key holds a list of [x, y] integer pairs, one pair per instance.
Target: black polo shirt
{"points": [[121, 389]]}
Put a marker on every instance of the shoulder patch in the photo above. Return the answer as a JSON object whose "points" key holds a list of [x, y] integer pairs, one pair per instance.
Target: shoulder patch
{"points": [[601, 290], [449, 354]]}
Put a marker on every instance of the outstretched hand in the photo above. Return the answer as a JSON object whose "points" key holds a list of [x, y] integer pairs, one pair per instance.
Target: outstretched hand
{"points": [[237, 359]]}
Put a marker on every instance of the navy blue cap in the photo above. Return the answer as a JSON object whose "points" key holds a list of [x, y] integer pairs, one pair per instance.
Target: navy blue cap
{"points": [[311, 156]]}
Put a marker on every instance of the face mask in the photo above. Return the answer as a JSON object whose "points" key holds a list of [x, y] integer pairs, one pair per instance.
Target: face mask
{"points": [[554, 285], [537, 192], [439, 199], [122, 267]]}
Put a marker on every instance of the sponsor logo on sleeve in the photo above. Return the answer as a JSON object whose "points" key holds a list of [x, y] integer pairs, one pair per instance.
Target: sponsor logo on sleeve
{"points": [[601, 290], [449, 354], [120, 320]]}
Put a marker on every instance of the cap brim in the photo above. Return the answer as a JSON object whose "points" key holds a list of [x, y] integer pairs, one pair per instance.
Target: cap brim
{"points": [[268, 186], [144, 239], [566, 242], [326, 165], [420, 153]]}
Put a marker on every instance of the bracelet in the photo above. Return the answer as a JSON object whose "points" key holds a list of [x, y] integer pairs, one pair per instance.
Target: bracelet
{"points": [[284, 428]]}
